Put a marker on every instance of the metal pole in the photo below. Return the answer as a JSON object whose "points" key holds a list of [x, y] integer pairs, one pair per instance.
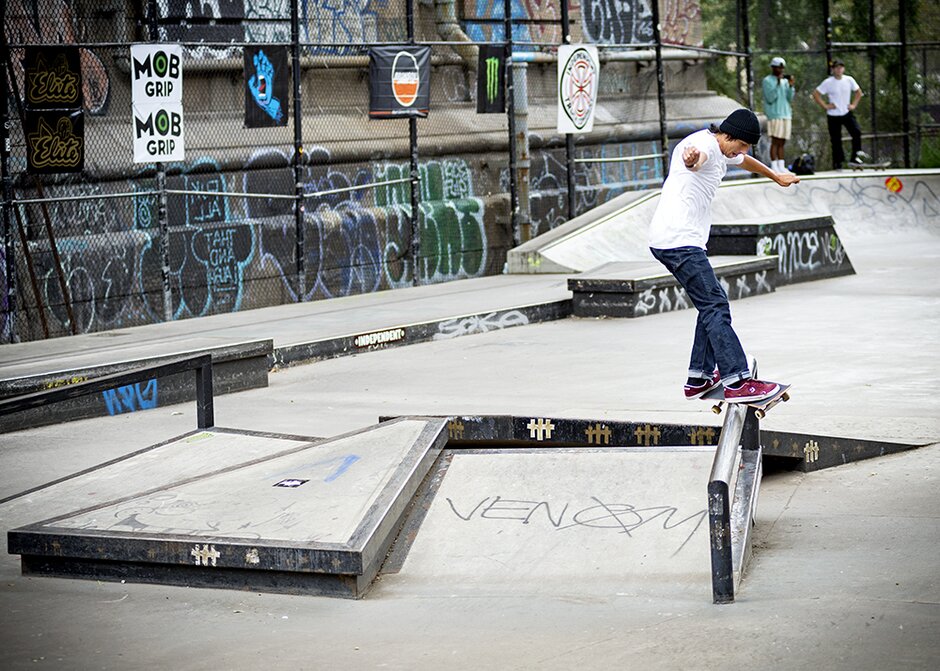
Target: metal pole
{"points": [[415, 183], [162, 224], [517, 236], [905, 101], [827, 26], [9, 249], [205, 403], [748, 58], [300, 201], [872, 56], [569, 137], [661, 88]]}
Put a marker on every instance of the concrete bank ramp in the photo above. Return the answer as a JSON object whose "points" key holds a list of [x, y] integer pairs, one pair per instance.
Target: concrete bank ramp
{"points": [[565, 521], [861, 204]]}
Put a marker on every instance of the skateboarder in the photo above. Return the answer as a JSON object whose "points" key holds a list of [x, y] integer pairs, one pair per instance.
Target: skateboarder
{"points": [[678, 235]]}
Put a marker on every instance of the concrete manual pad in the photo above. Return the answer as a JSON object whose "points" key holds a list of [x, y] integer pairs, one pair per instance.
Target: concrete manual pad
{"points": [[329, 509], [563, 519]]}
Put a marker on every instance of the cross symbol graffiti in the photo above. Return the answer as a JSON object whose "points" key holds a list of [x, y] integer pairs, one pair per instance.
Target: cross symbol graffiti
{"points": [[811, 451], [204, 555], [702, 436], [597, 432], [540, 429], [647, 435], [455, 429]]}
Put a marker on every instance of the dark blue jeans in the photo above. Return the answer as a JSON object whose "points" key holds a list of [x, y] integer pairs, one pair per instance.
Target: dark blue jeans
{"points": [[715, 341]]}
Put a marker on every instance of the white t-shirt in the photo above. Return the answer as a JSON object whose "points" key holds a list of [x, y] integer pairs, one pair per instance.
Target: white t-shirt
{"points": [[839, 92], [683, 217]]}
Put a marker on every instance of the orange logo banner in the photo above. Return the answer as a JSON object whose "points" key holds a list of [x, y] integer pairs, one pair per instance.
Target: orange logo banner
{"points": [[893, 184]]}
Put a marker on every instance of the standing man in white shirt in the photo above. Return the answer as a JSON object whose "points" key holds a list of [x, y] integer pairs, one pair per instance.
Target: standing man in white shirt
{"points": [[678, 235], [843, 93]]}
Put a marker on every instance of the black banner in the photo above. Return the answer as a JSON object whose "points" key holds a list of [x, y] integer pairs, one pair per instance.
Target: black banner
{"points": [[491, 76], [399, 82], [53, 78], [55, 141], [267, 79]]}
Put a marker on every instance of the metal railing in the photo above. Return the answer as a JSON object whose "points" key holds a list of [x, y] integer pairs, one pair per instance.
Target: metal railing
{"points": [[201, 364]]}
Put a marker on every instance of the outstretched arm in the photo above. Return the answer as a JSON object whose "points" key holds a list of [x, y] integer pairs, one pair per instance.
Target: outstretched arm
{"points": [[751, 164]]}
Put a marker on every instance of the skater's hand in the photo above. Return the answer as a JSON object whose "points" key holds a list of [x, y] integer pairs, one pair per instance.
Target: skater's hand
{"points": [[691, 157], [830, 106], [785, 179]]}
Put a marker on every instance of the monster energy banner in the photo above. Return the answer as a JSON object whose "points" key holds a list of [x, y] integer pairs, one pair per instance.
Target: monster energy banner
{"points": [[266, 86], [399, 82], [491, 73]]}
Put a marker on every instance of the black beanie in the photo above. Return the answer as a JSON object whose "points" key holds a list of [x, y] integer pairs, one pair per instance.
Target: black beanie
{"points": [[742, 124]]}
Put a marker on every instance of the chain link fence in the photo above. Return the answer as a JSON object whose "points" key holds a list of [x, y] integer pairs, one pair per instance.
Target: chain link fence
{"points": [[333, 203]]}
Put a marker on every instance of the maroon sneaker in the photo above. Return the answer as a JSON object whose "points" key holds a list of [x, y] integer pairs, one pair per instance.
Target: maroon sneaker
{"points": [[692, 393], [751, 391]]}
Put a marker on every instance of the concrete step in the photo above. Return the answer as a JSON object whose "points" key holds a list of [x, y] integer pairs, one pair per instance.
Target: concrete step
{"points": [[637, 289]]}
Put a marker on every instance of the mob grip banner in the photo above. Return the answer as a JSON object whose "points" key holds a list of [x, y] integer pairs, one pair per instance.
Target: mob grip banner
{"points": [[399, 82], [491, 75], [157, 100]]}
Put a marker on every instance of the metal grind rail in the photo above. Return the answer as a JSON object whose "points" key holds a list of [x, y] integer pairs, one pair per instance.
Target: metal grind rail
{"points": [[201, 364]]}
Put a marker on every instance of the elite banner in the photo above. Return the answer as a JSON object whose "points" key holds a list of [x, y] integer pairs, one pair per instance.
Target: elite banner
{"points": [[267, 76], [157, 101], [491, 76], [578, 71], [399, 82], [55, 141], [54, 123]]}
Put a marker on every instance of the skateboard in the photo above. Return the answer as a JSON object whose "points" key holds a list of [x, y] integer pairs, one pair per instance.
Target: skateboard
{"points": [[864, 161], [884, 165], [761, 407]]}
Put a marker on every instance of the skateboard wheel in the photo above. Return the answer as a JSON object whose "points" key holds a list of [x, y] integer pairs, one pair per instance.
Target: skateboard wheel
{"points": [[716, 409], [759, 413], [785, 397]]}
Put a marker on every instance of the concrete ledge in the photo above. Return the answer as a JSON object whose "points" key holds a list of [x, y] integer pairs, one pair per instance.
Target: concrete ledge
{"points": [[234, 368], [807, 247], [637, 289], [315, 519]]}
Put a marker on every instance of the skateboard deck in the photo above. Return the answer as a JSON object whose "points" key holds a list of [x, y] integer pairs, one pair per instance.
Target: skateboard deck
{"points": [[717, 396], [884, 165]]}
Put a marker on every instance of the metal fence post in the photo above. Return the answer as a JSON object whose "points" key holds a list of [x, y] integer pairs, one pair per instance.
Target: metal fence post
{"points": [[905, 101], [415, 181], [299, 202], [7, 220], [205, 408], [748, 57], [162, 225], [660, 88], [517, 235], [569, 137]]}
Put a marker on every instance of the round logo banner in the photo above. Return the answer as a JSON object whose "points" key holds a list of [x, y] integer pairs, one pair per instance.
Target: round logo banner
{"points": [[578, 71]]}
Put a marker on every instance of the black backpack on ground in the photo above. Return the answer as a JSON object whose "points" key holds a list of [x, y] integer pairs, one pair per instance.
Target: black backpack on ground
{"points": [[804, 164]]}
